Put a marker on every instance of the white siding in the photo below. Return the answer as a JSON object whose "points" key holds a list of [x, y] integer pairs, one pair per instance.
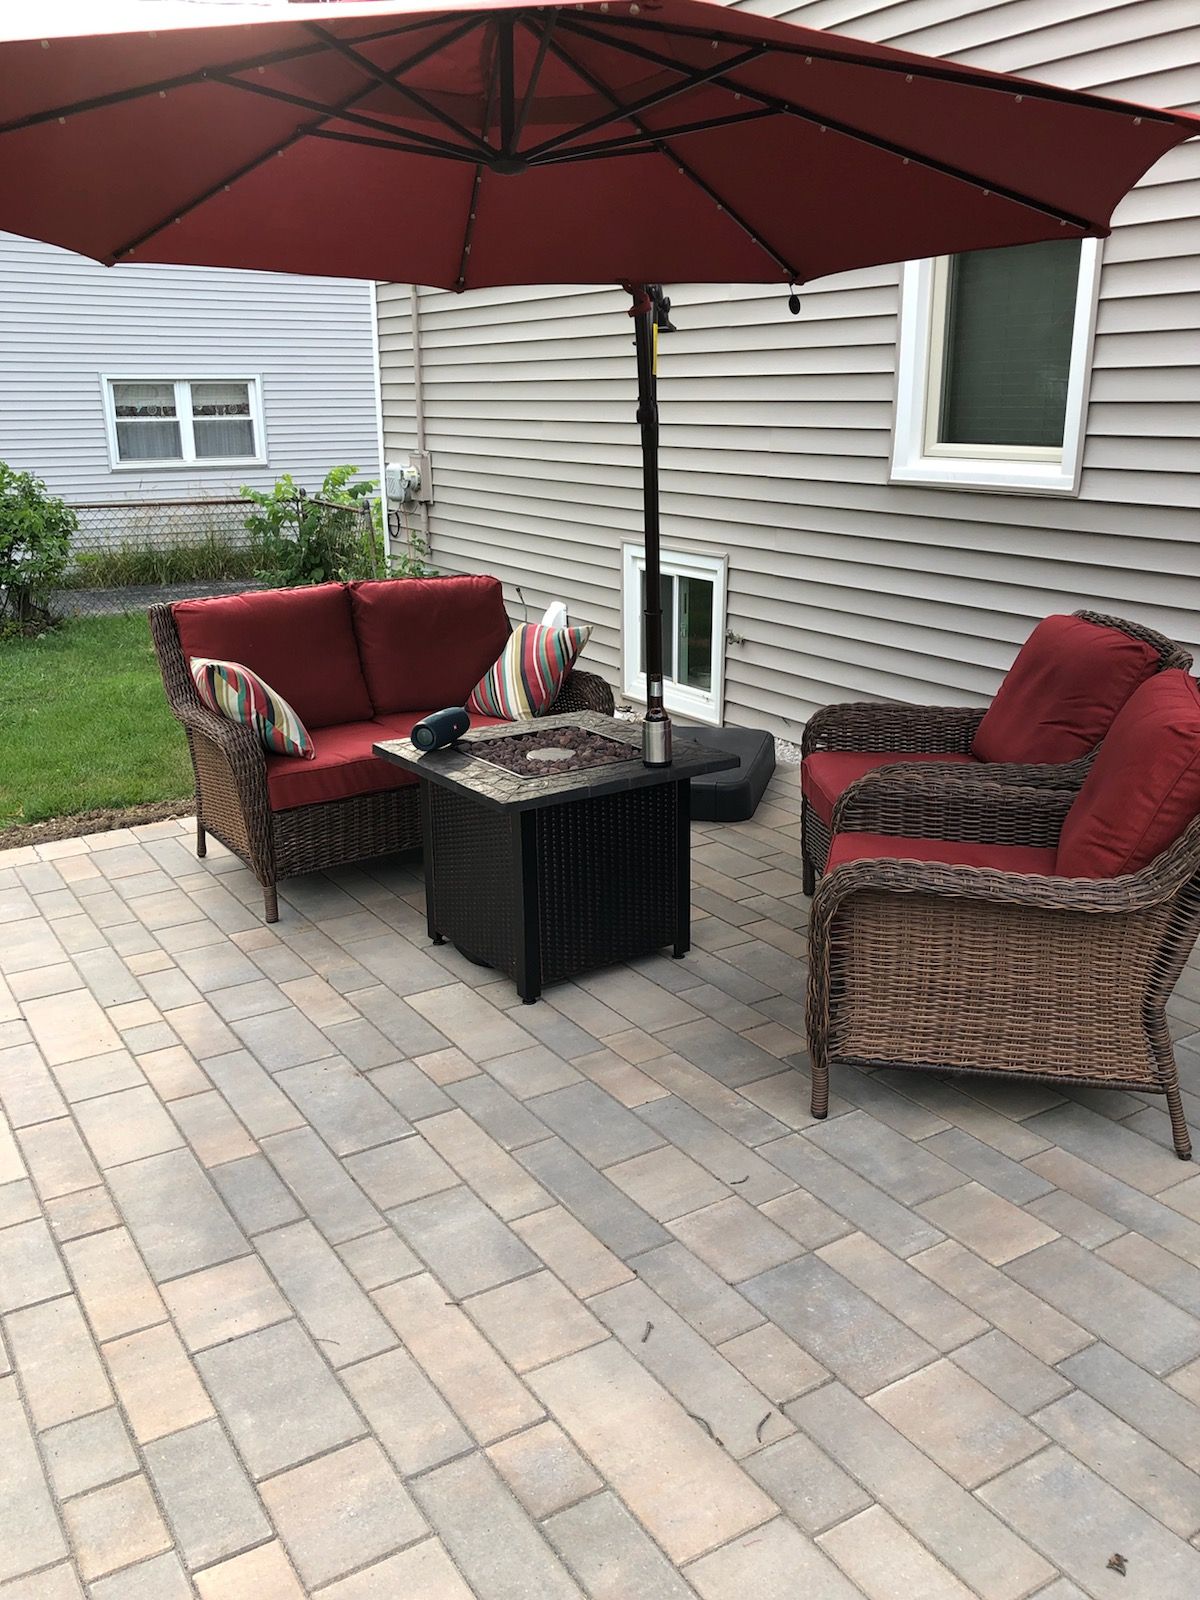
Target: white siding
{"points": [[65, 320], [777, 430]]}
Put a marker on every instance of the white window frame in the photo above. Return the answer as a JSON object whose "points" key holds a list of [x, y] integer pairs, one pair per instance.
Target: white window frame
{"points": [[918, 456], [680, 698], [189, 461]]}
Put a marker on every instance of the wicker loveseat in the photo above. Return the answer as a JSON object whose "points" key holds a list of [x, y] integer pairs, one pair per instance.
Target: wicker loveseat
{"points": [[1068, 682], [966, 926], [358, 662]]}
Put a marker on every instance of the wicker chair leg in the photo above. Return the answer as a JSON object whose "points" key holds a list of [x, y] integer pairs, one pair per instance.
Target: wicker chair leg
{"points": [[820, 1088], [270, 903], [1179, 1127], [201, 839], [808, 875]]}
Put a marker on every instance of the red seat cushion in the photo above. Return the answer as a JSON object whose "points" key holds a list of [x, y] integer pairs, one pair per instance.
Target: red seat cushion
{"points": [[344, 765], [954, 852], [427, 641], [1144, 787], [1062, 692], [826, 774], [299, 641]]}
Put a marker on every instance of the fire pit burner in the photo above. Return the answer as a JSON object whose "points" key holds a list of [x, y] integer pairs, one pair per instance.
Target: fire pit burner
{"points": [[557, 750]]}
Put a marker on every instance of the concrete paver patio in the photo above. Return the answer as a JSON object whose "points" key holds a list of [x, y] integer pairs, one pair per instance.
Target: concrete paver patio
{"points": [[326, 1267]]}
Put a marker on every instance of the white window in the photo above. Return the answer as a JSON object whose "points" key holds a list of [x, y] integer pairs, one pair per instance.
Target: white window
{"points": [[693, 607], [173, 422], [995, 354]]}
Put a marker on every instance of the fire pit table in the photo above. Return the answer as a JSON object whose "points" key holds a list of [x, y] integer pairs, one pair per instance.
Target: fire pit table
{"points": [[551, 849]]}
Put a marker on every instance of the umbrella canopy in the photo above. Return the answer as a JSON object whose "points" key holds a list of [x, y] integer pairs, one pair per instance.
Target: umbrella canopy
{"points": [[495, 142], [465, 143]]}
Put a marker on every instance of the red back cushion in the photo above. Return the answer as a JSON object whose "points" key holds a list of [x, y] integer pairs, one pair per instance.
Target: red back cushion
{"points": [[1068, 682], [1144, 788], [301, 641], [426, 642]]}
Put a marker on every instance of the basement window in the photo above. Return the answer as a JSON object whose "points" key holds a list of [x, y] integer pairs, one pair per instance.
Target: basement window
{"points": [[693, 606]]}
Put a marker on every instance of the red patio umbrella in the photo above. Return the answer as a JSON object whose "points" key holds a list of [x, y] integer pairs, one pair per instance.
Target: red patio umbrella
{"points": [[464, 143]]}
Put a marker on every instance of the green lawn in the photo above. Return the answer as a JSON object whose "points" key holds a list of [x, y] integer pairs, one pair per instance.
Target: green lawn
{"points": [[84, 723]]}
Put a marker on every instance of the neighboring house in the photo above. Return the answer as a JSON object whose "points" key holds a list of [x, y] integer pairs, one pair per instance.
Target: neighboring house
{"points": [[877, 498], [133, 387]]}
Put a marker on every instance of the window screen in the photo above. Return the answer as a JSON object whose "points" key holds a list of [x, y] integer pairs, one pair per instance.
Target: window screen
{"points": [[1010, 318]]}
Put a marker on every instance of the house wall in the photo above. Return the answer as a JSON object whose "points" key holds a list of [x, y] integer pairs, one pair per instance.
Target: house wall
{"points": [[65, 321], [777, 430]]}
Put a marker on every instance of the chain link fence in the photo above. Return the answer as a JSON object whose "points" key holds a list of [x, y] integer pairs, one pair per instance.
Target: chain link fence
{"points": [[131, 555]]}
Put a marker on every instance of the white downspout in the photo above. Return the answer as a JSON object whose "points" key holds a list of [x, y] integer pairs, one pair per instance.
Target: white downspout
{"points": [[380, 445], [418, 373]]}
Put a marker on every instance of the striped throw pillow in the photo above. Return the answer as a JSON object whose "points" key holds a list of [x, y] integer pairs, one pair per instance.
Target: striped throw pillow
{"points": [[240, 695], [530, 672]]}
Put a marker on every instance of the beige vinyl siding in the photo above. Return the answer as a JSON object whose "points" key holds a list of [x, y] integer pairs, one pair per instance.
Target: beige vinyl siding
{"points": [[65, 321], [777, 430]]}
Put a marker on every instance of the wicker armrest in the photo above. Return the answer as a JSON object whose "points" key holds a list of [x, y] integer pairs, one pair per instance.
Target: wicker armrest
{"points": [[919, 802], [870, 725], [236, 740], [1139, 891], [584, 691]]}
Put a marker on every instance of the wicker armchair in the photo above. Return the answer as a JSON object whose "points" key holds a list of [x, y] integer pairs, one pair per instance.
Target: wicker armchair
{"points": [[954, 969], [232, 801], [937, 730]]}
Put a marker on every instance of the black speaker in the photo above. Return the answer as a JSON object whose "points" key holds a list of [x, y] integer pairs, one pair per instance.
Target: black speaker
{"points": [[440, 728]]}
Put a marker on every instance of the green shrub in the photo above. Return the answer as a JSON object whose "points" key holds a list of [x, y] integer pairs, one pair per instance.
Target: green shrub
{"points": [[308, 538], [35, 547]]}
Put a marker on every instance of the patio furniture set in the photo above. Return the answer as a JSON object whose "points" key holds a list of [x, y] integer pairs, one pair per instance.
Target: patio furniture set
{"points": [[1007, 891]]}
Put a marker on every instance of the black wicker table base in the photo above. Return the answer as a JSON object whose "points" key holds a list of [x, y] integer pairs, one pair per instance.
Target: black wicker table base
{"points": [[543, 878]]}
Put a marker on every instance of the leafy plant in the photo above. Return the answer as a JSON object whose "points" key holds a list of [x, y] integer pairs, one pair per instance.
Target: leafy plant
{"points": [[308, 538], [147, 562], [413, 561], [35, 547]]}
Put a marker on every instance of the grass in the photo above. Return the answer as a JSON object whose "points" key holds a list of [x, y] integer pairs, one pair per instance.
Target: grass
{"points": [[84, 723], [145, 562]]}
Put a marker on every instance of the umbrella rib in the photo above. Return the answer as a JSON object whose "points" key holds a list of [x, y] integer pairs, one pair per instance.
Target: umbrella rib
{"points": [[664, 149], [184, 80], [657, 97], [543, 39], [620, 147], [435, 146], [391, 80], [371, 143], [1029, 88], [888, 146]]}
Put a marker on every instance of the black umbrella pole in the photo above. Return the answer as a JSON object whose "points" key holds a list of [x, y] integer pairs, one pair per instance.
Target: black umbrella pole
{"points": [[656, 730]]}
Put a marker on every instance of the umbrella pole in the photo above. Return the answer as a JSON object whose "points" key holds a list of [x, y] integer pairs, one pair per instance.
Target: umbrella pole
{"points": [[656, 729]]}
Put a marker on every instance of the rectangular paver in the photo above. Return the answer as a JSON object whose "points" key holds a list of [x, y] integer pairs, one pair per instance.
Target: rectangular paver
{"points": [[989, 1558], [666, 1468], [1075, 1519], [278, 1398], [837, 1324]]}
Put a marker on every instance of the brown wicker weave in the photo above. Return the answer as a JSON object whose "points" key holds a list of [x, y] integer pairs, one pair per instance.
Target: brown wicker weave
{"points": [[974, 970], [232, 801], [941, 730]]}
